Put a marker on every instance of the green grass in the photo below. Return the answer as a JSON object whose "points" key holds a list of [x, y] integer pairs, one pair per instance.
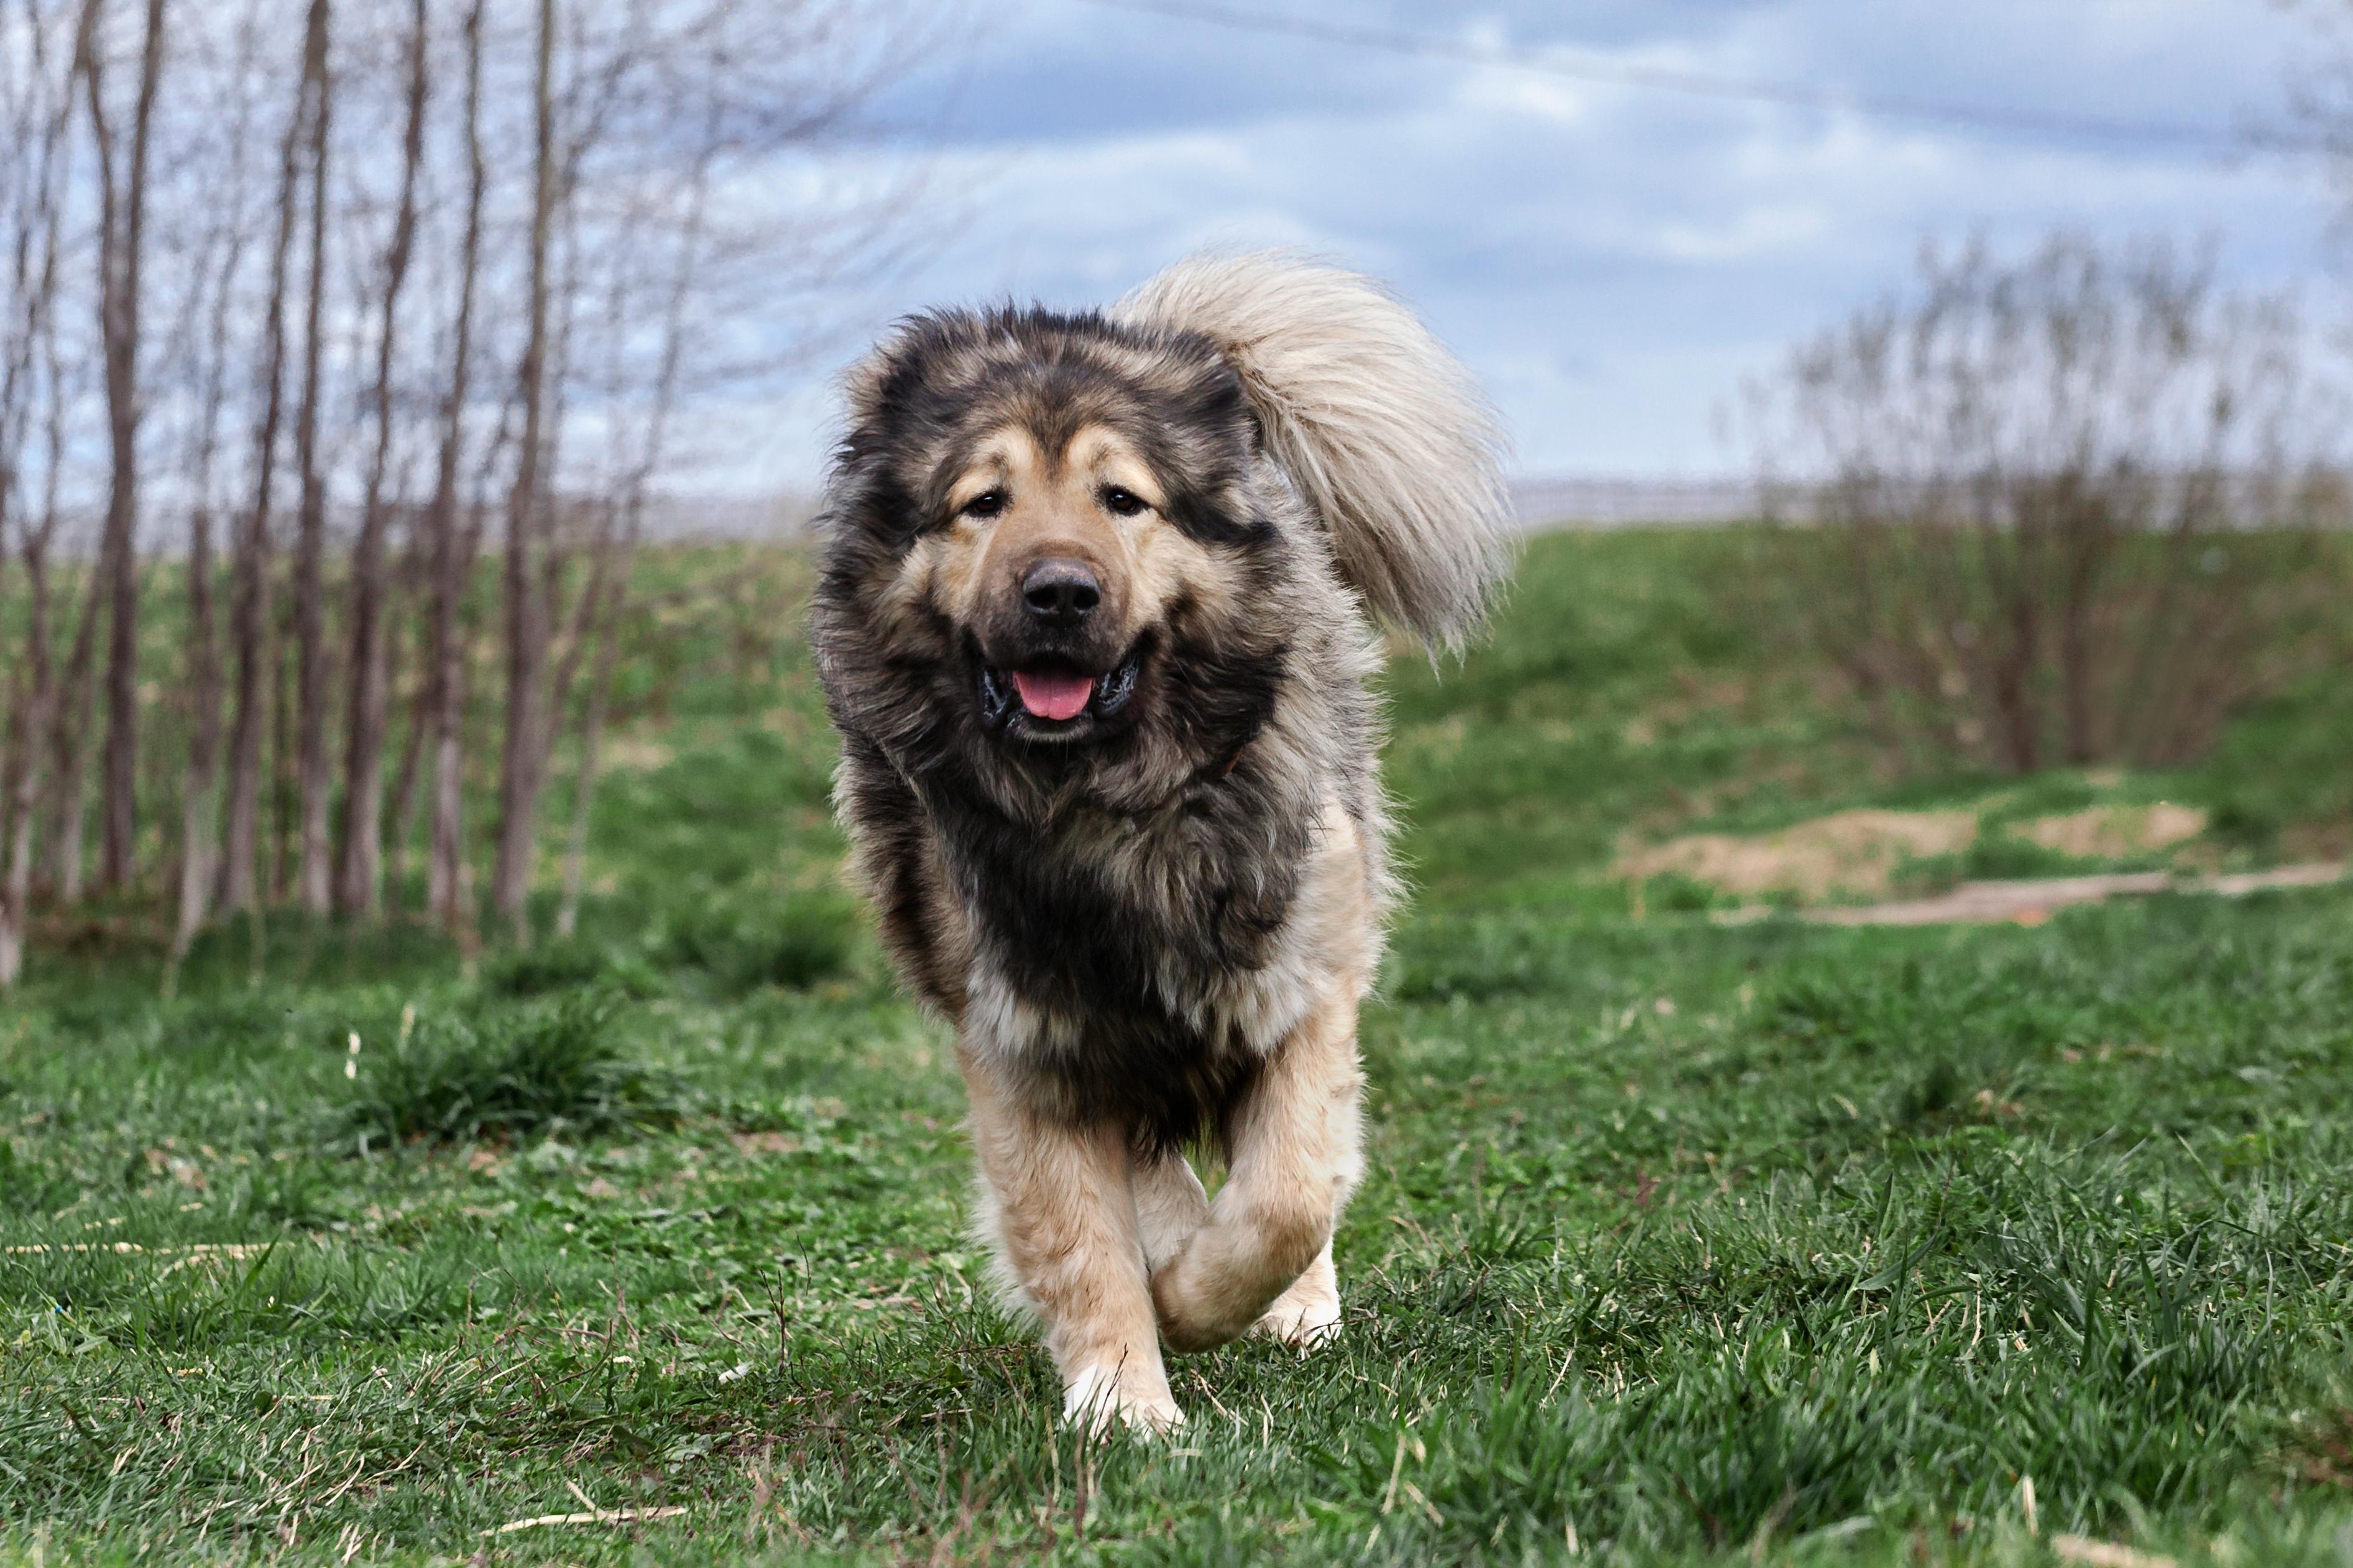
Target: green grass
{"points": [[1683, 1242]]}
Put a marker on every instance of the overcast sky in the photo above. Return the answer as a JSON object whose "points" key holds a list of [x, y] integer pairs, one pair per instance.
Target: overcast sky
{"points": [[1611, 261]]}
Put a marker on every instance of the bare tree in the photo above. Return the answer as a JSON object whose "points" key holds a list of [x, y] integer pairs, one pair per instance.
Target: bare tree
{"points": [[42, 104], [251, 617], [407, 665], [525, 614], [196, 858], [72, 727], [453, 546], [33, 733], [199, 857], [2067, 503], [310, 610], [312, 663], [122, 209], [600, 619], [361, 862]]}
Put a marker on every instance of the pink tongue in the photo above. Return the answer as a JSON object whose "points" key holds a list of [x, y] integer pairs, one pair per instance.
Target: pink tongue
{"points": [[1055, 697]]}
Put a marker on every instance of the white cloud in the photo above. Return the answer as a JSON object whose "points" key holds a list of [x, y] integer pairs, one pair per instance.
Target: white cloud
{"points": [[1610, 260]]}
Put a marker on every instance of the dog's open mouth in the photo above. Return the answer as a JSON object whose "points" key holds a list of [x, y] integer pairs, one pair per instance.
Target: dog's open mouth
{"points": [[1052, 698]]}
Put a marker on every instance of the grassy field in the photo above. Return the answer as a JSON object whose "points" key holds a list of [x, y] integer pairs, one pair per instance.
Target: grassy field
{"points": [[1685, 1240]]}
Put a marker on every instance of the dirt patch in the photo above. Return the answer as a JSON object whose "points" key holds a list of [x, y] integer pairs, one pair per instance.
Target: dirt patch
{"points": [[2113, 832], [751, 1145], [642, 754], [1856, 852], [2031, 903]]}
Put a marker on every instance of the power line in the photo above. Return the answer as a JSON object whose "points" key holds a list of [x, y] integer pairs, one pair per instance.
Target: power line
{"points": [[2205, 139]]}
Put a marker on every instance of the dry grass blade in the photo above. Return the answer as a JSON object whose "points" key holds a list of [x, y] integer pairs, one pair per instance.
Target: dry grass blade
{"points": [[2103, 1554], [230, 1251], [595, 1516]]}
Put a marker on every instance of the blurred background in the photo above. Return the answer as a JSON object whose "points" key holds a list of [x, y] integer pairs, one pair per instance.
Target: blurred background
{"points": [[391, 397]]}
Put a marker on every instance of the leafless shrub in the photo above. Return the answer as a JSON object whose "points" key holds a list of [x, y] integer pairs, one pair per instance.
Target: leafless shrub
{"points": [[2068, 510]]}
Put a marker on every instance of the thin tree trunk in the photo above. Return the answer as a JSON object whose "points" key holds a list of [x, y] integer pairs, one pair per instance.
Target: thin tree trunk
{"points": [[77, 708], [121, 223], [312, 779], [591, 735], [453, 556], [283, 801], [40, 678], [450, 780], [200, 804], [251, 614], [30, 692], [30, 684], [566, 633], [17, 897], [360, 879], [197, 869], [401, 633], [197, 815], [400, 810], [526, 626]]}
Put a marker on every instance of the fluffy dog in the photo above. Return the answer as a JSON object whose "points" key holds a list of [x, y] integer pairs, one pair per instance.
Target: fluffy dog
{"points": [[1093, 622]]}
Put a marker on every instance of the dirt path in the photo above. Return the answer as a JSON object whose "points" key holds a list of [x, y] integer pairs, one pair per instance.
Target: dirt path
{"points": [[2031, 902]]}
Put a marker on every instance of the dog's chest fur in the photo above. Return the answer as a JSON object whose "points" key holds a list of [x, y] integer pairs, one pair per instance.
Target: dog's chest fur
{"points": [[1130, 968]]}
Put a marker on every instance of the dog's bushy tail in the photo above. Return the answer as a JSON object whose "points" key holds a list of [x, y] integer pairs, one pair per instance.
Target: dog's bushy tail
{"points": [[1379, 427]]}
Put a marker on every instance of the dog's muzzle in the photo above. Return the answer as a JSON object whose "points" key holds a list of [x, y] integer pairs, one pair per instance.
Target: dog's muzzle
{"points": [[1050, 701]]}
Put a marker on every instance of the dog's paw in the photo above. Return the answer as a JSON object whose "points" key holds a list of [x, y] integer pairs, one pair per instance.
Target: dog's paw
{"points": [[1099, 1399], [1303, 1317], [1211, 1292]]}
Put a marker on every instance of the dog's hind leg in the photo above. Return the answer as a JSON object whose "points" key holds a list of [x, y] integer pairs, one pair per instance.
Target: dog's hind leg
{"points": [[1297, 1154], [1309, 1312], [1061, 1203]]}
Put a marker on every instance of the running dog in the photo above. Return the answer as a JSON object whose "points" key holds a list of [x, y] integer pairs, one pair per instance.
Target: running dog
{"points": [[1094, 619]]}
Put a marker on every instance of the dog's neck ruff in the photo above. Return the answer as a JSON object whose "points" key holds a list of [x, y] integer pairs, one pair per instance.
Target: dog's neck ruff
{"points": [[1133, 967]]}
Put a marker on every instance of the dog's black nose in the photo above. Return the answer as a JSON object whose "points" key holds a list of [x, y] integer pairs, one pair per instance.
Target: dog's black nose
{"points": [[1061, 593]]}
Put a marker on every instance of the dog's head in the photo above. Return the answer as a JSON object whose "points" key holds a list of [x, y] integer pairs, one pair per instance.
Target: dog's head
{"points": [[1057, 566], [1045, 538]]}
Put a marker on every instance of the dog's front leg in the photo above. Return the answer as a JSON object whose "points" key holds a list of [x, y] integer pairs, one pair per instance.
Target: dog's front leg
{"points": [[1298, 1150], [1061, 1206], [1170, 1206]]}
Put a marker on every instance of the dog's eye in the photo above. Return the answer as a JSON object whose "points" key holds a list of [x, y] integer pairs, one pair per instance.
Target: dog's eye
{"points": [[1121, 502], [987, 504]]}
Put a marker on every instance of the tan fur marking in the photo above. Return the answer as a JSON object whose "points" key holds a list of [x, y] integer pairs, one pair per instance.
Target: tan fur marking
{"points": [[1053, 509], [1170, 1206], [1103, 457], [1065, 1217], [1005, 457], [899, 607], [1167, 564]]}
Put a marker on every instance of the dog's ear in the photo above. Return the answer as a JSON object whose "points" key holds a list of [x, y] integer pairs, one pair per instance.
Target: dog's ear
{"points": [[864, 383], [893, 371]]}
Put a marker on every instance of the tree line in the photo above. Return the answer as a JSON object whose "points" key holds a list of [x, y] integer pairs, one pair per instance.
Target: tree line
{"points": [[318, 315]]}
